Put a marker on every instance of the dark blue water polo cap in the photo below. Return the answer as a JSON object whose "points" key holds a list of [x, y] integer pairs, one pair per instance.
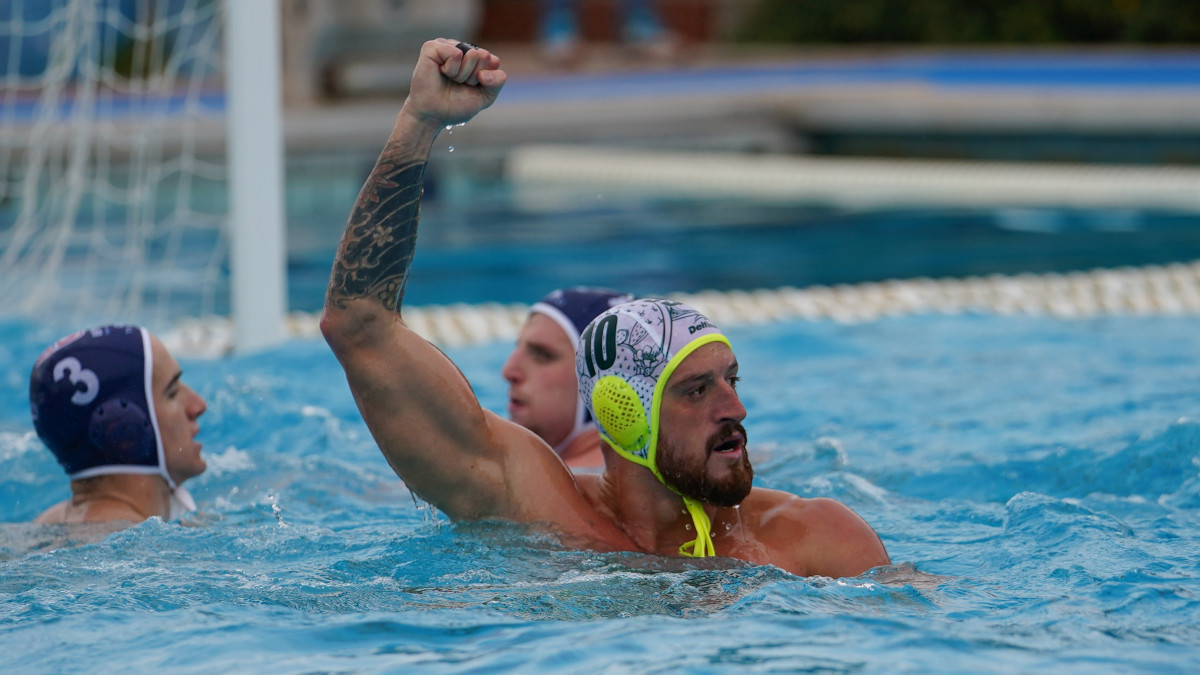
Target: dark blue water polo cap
{"points": [[573, 309], [92, 403]]}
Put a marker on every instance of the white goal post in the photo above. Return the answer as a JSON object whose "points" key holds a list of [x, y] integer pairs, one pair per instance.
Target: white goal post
{"points": [[141, 164], [259, 269]]}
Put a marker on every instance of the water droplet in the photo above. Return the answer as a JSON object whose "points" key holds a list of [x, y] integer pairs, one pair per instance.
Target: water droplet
{"points": [[450, 128], [452, 148], [688, 528]]}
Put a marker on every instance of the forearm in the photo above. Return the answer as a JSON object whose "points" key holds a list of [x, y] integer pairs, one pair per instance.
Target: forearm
{"points": [[449, 85], [376, 250]]}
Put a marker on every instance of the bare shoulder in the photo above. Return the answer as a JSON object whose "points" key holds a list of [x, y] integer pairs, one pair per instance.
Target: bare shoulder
{"points": [[815, 536], [97, 511], [54, 514]]}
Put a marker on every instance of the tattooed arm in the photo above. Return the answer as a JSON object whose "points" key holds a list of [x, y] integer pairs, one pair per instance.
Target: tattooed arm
{"points": [[419, 407], [448, 87]]}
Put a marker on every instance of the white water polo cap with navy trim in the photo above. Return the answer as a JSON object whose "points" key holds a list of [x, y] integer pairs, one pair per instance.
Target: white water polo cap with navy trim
{"points": [[92, 400], [623, 361]]}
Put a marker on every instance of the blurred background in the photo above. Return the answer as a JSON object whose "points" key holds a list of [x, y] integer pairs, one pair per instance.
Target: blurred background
{"points": [[1091, 80], [660, 146], [924, 193]]}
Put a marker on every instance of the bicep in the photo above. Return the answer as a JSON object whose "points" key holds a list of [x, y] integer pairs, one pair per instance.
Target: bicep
{"points": [[426, 420], [468, 462]]}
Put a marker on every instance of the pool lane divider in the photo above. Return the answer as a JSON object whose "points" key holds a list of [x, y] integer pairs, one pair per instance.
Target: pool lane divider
{"points": [[1159, 290]]}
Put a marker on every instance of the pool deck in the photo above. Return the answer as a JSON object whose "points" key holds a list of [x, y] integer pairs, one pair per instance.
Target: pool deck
{"points": [[758, 100]]}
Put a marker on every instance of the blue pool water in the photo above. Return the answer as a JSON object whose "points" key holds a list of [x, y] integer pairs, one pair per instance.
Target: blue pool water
{"points": [[1036, 480]]}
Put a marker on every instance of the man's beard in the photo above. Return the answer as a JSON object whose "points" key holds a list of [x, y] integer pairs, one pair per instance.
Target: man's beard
{"points": [[687, 473]]}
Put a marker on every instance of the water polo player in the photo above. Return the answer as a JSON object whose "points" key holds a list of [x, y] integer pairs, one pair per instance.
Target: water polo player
{"points": [[475, 465], [110, 403], [542, 388]]}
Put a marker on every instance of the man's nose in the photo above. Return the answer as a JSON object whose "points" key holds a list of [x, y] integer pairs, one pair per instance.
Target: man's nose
{"points": [[730, 406], [199, 405], [511, 372]]}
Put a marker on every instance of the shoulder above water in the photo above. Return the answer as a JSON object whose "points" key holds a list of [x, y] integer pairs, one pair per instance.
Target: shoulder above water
{"points": [[818, 536]]}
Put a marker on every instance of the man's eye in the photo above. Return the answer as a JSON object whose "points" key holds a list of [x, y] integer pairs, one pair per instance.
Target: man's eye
{"points": [[733, 381]]}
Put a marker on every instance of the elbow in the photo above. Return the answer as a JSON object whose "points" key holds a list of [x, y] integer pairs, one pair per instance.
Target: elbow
{"points": [[349, 325], [332, 327]]}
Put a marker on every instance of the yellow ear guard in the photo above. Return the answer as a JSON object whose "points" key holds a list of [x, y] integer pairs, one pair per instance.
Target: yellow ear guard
{"points": [[624, 426], [622, 420]]}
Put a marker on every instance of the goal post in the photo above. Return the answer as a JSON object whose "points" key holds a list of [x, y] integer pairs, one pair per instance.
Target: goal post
{"points": [[256, 220]]}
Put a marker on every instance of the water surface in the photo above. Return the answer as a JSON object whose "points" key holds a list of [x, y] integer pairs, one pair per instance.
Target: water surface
{"points": [[1036, 480]]}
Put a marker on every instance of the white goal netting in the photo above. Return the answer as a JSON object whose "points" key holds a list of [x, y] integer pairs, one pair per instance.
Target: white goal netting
{"points": [[112, 160]]}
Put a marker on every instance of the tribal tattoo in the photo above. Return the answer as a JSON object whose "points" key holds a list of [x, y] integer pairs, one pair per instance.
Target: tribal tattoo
{"points": [[377, 247]]}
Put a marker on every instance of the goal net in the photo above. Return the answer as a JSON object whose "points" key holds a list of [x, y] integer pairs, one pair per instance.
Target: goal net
{"points": [[113, 202]]}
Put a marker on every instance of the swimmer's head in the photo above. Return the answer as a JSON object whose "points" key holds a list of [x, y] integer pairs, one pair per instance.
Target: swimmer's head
{"points": [[570, 309], [93, 404], [623, 360]]}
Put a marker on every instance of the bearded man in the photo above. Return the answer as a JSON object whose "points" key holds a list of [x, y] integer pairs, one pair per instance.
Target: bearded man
{"points": [[659, 378]]}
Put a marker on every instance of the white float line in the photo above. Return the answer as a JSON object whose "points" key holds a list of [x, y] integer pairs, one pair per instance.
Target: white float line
{"points": [[1169, 290], [858, 183]]}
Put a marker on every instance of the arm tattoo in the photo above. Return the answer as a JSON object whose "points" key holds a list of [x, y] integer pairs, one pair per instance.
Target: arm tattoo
{"points": [[377, 247]]}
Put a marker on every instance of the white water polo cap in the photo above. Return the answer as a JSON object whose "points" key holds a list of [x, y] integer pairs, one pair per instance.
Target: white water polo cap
{"points": [[623, 361], [625, 357]]}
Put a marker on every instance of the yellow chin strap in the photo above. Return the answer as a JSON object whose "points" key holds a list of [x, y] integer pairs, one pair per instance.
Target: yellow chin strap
{"points": [[702, 545]]}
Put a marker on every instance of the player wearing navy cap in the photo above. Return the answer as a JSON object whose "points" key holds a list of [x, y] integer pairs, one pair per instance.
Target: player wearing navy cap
{"points": [[111, 405], [543, 393]]}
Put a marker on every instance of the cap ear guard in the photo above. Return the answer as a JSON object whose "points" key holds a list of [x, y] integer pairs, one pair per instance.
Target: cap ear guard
{"points": [[622, 419], [121, 430]]}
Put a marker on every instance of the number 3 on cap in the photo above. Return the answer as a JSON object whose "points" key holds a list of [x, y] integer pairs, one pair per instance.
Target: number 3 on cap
{"points": [[76, 374]]}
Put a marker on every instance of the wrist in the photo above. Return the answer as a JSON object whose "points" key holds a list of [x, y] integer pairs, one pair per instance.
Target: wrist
{"points": [[417, 126]]}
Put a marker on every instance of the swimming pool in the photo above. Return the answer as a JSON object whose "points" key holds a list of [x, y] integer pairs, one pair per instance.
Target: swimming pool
{"points": [[1040, 476]]}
